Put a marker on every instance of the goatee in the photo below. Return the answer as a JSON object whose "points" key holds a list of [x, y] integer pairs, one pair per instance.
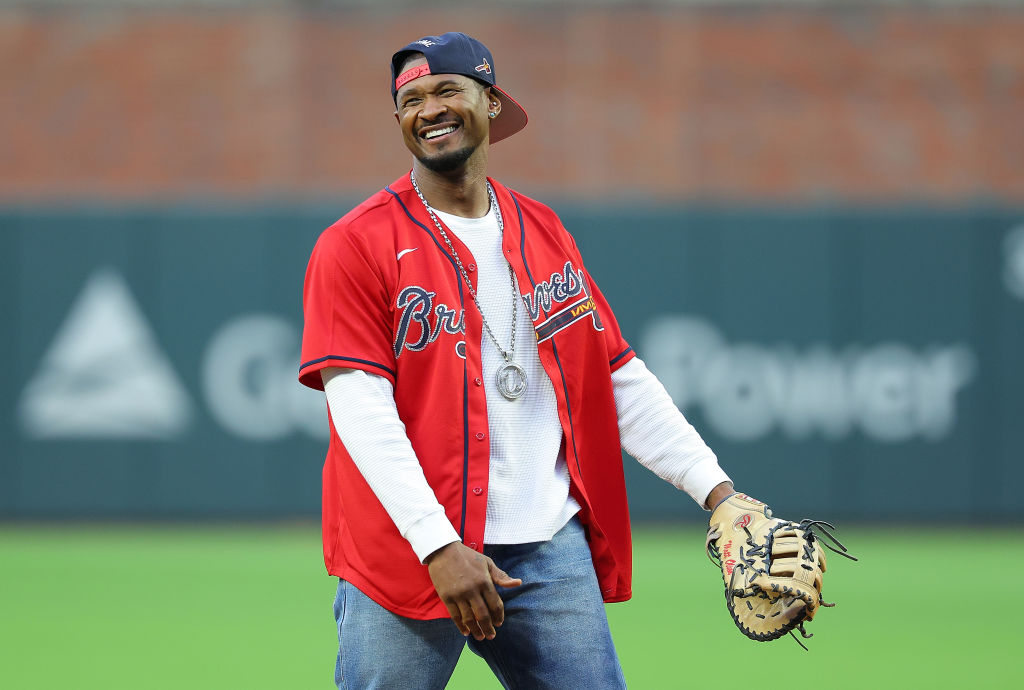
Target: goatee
{"points": [[447, 162]]}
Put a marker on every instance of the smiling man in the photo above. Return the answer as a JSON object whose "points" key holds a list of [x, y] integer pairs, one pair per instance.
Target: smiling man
{"points": [[480, 393], [443, 142]]}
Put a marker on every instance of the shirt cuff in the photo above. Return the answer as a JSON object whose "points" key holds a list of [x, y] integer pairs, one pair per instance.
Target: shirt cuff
{"points": [[430, 533], [702, 479]]}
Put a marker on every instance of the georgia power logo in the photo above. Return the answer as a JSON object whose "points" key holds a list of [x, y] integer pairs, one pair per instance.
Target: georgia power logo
{"points": [[104, 376], [889, 391]]}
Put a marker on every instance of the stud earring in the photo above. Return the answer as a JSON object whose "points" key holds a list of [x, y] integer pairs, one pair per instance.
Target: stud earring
{"points": [[492, 115]]}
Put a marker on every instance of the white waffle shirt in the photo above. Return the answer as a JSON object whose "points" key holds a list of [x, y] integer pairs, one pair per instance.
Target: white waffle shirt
{"points": [[528, 480], [528, 485]]}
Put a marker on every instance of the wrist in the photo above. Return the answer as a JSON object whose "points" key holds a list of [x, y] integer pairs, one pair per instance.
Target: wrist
{"points": [[719, 494], [430, 533], [439, 551]]}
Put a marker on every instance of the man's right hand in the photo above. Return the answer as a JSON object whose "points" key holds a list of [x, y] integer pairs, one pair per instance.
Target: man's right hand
{"points": [[465, 580]]}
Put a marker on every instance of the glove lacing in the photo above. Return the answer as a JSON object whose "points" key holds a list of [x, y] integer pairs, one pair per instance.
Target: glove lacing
{"points": [[817, 530]]}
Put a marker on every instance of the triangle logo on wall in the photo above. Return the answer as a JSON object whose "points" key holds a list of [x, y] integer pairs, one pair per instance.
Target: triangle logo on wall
{"points": [[104, 376]]}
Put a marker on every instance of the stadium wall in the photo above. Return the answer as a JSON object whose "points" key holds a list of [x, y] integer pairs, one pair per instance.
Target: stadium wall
{"points": [[153, 357], [862, 102]]}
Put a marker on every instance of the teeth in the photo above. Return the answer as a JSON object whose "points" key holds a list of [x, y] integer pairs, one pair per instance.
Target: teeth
{"points": [[439, 132]]}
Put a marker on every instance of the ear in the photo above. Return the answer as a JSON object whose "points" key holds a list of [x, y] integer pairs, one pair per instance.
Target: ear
{"points": [[493, 103], [397, 119]]}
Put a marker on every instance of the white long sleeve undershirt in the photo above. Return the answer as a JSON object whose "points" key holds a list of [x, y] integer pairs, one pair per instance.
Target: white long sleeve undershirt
{"points": [[366, 418], [362, 406], [655, 432]]}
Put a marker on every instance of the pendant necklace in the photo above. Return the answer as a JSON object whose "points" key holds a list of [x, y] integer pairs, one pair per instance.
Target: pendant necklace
{"points": [[510, 377]]}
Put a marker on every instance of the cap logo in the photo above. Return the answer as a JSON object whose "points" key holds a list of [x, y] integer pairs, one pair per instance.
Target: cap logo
{"points": [[426, 43], [485, 67], [410, 74]]}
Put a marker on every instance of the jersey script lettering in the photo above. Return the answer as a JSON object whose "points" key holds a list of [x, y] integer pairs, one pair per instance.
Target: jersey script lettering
{"points": [[422, 322], [559, 288]]}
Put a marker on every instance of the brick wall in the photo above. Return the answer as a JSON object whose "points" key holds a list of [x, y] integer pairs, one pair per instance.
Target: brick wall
{"points": [[762, 105]]}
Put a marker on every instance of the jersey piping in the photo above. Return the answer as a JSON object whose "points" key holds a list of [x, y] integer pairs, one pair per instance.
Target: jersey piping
{"points": [[465, 365], [620, 356], [554, 348], [347, 359]]}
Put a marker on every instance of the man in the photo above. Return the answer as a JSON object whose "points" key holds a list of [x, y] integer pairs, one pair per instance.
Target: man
{"points": [[479, 391]]}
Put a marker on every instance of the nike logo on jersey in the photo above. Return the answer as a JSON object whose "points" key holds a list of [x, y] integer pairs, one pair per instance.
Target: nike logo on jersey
{"points": [[404, 252]]}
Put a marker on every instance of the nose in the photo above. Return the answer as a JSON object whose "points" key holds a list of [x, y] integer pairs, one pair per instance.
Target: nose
{"points": [[432, 108]]}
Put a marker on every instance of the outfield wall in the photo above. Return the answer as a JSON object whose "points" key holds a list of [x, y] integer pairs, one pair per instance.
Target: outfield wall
{"points": [[151, 356], [863, 101]]}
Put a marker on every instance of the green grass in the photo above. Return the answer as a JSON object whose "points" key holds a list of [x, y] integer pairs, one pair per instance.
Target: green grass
{"points": [[250, 607]]}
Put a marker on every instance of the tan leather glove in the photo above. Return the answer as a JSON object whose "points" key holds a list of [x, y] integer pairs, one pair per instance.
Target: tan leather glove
{"points": [[772, 568]]}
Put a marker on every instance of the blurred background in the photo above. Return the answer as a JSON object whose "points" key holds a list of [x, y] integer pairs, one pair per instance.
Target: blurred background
{"points": [[807, 215]]}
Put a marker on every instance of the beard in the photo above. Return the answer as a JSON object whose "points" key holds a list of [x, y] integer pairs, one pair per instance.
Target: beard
{"points": [[448, 161]]}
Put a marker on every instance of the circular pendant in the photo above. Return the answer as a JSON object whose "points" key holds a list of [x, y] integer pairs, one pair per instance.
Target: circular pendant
{"points": [[511, 380]]}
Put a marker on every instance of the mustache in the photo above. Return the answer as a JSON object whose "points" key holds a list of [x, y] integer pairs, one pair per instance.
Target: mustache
{"points": [[442, 120]]}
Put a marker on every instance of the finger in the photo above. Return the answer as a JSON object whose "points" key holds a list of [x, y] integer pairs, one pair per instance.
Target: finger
{"points": [[456, 616], [500, 577], [469, 622], [484, 621], [495, 605]]}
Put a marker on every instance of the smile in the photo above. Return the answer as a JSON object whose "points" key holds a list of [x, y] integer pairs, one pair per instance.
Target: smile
{"points": [[435, 133]]}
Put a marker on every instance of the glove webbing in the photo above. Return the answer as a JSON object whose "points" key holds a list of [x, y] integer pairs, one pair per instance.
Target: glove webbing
{"points": [[823, 531]]}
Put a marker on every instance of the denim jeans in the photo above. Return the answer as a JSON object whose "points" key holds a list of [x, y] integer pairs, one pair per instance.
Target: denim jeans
{"points": [[555, 633]]}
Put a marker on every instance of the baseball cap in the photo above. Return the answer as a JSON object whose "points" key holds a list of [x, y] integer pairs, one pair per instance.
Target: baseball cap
{"points": [[457, 53]]}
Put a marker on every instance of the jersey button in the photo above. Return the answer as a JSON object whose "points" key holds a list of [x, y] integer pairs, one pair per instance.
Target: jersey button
{"points": [[477, 490], [478, 381], [471, 267], [479, 436], [472, 544]]}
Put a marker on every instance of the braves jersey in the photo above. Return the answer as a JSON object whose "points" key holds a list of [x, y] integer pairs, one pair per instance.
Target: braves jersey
{"points": [[384, 294]]}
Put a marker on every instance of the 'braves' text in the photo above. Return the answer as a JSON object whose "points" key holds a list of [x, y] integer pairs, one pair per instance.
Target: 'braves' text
{"points": [[421, 321], [560, 287]]}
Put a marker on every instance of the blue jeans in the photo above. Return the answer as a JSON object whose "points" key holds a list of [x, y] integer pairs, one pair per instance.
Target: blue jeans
{"points": [[555, 633]]}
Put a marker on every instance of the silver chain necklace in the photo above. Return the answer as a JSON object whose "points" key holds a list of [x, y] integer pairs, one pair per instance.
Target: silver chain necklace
{"points": [[510, 377]]}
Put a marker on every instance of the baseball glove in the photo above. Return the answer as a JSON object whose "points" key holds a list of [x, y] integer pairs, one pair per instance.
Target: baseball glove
{"points": [[772, 568]]}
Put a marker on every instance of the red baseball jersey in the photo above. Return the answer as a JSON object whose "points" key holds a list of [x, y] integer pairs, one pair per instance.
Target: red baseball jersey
{"points": [[384, 294]]}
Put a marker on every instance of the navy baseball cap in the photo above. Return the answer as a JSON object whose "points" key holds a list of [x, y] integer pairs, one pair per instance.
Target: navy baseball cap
{"points": [[457, 53]]}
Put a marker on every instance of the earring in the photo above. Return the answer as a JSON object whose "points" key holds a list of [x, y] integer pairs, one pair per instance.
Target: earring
{"points": [[492, 115]]}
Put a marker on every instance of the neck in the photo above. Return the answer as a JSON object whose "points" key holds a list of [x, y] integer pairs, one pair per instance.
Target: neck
{"points": [[461, 192]]}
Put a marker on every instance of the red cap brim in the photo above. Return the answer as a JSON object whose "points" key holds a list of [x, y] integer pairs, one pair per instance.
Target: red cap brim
{"points": [[510, 120]]}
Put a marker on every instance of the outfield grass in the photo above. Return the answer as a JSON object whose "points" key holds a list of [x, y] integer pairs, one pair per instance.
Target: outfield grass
{"points": [[250, 607]]}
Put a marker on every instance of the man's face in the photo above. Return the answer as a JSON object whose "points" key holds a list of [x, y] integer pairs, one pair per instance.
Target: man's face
{"points": [[443, 117]]}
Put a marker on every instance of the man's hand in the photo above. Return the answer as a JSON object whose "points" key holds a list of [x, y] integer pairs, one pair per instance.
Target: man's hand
{"points": [[465, 579]]}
